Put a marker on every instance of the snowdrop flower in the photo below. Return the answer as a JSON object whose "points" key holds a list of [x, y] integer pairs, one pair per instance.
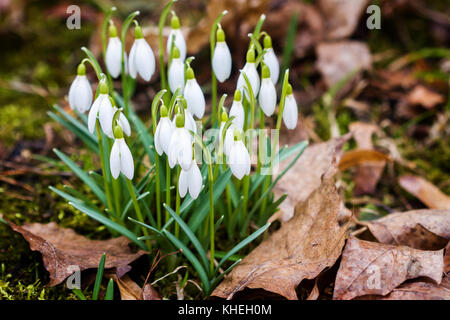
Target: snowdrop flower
{"points": [[239, 159], [237, 110], [190, 180], [252, 75], [113, 55], [290, 112], [267, 95], [193, 94], [180, 43], [270, 59], [122, 121], [176, 71], [163, 132], [121, 159], [103, 109], [221, 62], [142, 59], [180, 145], [189, 123], [229, 135], [80, 92]]}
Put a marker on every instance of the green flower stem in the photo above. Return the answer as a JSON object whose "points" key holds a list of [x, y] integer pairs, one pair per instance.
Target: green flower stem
{"points": [[162, 67], [212, 45], [278, 127], [168, 180], [93, 61], [262, 142], [138, 213], [103, 163], [177, 204]]}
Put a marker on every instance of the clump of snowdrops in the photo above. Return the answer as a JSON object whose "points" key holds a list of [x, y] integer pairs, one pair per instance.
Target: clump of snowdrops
{"points": [[165, 184]]}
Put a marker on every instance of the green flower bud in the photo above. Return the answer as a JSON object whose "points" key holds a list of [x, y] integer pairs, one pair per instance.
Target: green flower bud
{"points": [[103, 87], [190, 74], [289, 89], [138, 32], [81, 70], [179, 120], [237, 95], [265, 72], [175, 22], [220, 34], [251, 55], [224, 117], [164, 111], [112, 31], [267, 42], [118, 133], [175, 52]]}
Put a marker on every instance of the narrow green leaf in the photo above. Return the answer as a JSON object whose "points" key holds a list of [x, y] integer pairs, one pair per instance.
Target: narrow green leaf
{"points": [[109, 295], [99, 277]]}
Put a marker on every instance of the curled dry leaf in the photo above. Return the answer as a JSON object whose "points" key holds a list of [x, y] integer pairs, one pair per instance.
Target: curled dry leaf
{"points": [[419, 229], [306, 174], [357, 157], [130, 290], [338, 59], [301, 249], [425, 191], [370, 268], [62, 249]]}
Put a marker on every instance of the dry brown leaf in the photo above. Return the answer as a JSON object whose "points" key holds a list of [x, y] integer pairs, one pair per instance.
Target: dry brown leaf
{"points": [[419, 229], [370, 268], [416, 291], [306, 174], [315, 293], [338, 59], [361, 156], [62, 249], [425, 192], [341, 17], [301, 249], [423, 96], [130, 290]]}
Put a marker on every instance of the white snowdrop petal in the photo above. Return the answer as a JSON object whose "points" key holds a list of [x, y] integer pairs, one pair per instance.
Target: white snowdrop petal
{"points": [[237, 110], [267, 97], [114, 160], [189, 123], [92, 118], [83, 95], [195, 180], [106, 114], [113, 56], [229, 139], [270, 59], [124, 124], [290, 112], [183, 183], [173, 147], [222, 61], [180, 43], [253, 77], [126, 160], [194, 98], [144, 60], [176, 75], [165, 134], [132, 61], [158, 145], [72, 94]]}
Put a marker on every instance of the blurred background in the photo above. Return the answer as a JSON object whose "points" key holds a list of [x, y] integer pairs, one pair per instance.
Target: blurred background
{"points": [[401, 87]]}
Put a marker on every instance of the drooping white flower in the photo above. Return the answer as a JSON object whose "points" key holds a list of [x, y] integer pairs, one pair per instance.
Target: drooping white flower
{"points": [[271, 60], [267, 95], [252, 75], [239, 159], [194, 95], [176, 72], [142, 59], [175, 32], [190, 180], [189, 123], [121, 159], [221, 62], [103, 109], [237, 110], [80, 92], [113, 55], [290, 112], [180, 145], [163, 132]]}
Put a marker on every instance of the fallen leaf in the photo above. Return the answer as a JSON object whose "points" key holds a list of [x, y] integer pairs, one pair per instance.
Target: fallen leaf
{"points": [[416, 291], [341, 17], [306, 174], [425, 191], [62, 249], [370, 268], [314, 295], [149, 293], [338, 59], [423, 96], [301, 249], [357, 157], [419, 229], [130, 290]]}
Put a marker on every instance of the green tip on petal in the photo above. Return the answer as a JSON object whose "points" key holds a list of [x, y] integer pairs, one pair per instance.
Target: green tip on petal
{"points": [[289, 89], [237, 95], [175, 53], [179, 120], [190, 74], [251, 55], [237, 135], [265, 72], [118, 133], [112, 31], [175, 22], [81, 70], [138, 32], [103, 87], [224, 117], [220, 35], [164, 111], [267, 42]]}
